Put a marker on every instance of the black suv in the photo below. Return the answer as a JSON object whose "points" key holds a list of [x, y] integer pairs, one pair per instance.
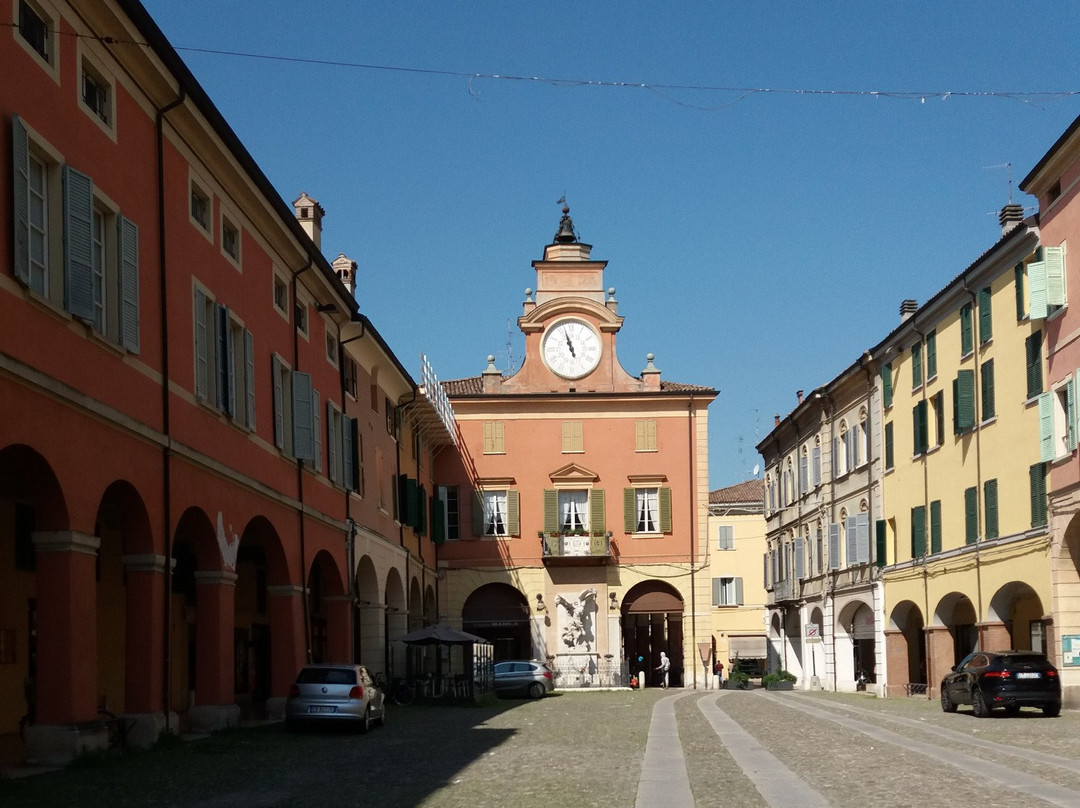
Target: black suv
{"points": [[1009, 679]]}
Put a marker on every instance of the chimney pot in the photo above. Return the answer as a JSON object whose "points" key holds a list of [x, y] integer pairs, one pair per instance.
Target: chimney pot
{"points": [[907, 308], [798, 395], [776, 420], [1011, 215]]}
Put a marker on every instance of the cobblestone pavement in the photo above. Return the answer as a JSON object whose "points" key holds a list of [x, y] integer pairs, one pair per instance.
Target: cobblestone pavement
{"points": [[671, 749]]}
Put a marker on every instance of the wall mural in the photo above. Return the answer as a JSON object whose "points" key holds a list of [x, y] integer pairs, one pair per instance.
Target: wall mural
{"points": [[576, 624]]}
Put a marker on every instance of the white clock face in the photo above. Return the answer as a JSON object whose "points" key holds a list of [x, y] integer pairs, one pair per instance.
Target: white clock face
{"points": [[571, 349]]}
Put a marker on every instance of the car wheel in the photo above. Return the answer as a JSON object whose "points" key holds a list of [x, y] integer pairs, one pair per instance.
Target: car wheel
{"points": [[1051, 710], [365, 723], [536, 690], [978, 703], [382, 716], [946, 702]]}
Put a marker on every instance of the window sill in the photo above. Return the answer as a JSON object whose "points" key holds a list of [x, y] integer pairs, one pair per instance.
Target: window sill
{"points": [[991, 420], [646, 535]]}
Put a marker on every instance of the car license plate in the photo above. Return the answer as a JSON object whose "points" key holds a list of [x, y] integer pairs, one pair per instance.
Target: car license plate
{"points": [[1027, 675], [319, 709]]}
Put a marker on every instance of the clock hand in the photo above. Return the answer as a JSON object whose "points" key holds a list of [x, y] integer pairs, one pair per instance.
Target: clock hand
{"points": [[570, 345]]}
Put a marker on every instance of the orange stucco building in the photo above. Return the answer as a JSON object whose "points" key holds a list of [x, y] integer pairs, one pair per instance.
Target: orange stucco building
{"points": [[200, 435], [579, 494]]}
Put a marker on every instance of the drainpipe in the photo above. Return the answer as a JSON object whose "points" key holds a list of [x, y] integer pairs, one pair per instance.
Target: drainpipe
{"points": [[350, 540], [868, 359], [979, 498], [926, 510], [300, 476], [166, 428], [693, 532]]}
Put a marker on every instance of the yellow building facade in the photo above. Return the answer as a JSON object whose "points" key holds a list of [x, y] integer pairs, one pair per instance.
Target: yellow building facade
{"points": [[963, 542]]}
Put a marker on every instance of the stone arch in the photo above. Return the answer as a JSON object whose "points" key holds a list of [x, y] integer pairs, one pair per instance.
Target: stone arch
{"points": [[905, 645], [955, 629], [327, 610], [431, 615], [370, 626], [499, 613], [652, 621], [1014, 619], [854, 643], [396, 622], [194, 552], [416, 605]]}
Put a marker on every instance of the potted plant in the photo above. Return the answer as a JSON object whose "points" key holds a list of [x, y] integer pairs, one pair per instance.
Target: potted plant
{"points": [[737, 680], [779, 680]]}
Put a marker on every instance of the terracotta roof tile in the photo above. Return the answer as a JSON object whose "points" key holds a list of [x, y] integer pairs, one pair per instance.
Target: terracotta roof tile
{"points": [[748, 491]]}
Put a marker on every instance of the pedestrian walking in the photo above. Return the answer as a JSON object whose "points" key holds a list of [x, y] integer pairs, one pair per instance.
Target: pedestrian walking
{"points": [[718, 669], [664, 667]]}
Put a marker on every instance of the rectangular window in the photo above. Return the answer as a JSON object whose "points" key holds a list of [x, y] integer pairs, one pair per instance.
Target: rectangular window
{"points": [[647, 510], [230, 239], [96, 93], [990, 509], [1037, 474], [931, 355], [334, 441], [645, 435], [986, 319], [967, 342], [34, 30], [572, 440], [918, 531], [98, 262], [38, 219], [300, 310], [350, 377], [391, 418], [206, 369], [495, 513], [938, 405], [494, 437], [281, 295], [725, 537], [935, 526], [727, 591], [200, 207], [448, 494], [916, 365], [987, 383], [889, 445], [573, 511], [971, 515], [1033, 349]]}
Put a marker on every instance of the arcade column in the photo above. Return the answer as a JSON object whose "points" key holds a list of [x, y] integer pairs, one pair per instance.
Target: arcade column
{"points": [[215, 686]]}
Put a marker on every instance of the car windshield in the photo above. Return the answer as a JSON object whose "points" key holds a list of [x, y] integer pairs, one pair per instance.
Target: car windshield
{"points": [[327, 676], [1025, 659]]}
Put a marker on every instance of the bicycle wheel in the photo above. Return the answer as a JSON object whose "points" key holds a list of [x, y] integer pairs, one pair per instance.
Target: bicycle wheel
{"points": [[404, 694]]}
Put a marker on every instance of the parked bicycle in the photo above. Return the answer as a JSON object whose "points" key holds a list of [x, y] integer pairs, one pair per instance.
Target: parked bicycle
{"points": [[401, 691]]}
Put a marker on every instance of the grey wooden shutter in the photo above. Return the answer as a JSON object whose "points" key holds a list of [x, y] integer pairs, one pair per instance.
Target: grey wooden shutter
{"points": [[862, 538], [716, 591], [249, 377], [850, 540], [279, 403], [738, 592], [20, 158], [551, 511], [817, 466], [478, 512], [597, 511], [665, 509], [128, 277], [800, 558], [834, 545], [230, 364], [221, 355], [202, 370], [333, 441], [78, 243], [302, 416], [316, 431], [1054, 258], [629, 510]]}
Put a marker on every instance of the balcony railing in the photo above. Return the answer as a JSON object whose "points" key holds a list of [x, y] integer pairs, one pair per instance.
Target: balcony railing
{"points": [[576, 548]]}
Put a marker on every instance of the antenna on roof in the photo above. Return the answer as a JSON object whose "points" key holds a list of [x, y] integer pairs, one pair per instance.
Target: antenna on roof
{"points": [[1008, 169], [509, 347]]}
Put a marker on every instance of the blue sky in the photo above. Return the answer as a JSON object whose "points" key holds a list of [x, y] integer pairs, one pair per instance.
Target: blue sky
{"points": [[758, 242]]}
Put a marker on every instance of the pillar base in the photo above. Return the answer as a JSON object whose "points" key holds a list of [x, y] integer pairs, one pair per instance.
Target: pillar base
{"points": [[211, 717], [59, 744], [275, 708], [144, 729]]}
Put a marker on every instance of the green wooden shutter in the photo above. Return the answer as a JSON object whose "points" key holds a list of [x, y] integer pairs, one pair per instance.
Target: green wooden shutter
{"points": [[20, 158], [513, 513], [1054, 258], [935, 526], [886, 385], [665, 510], [882, 545], [987, 383], [303, 420], [990, 505], [966, 340], [477, 512], [965, 399], [629, 500], [931, 355], [924, 431], [1018, 280], [1038, 494], [986, 318], [551, 511], [1033, 346], [889, 445], [128, 291], [438, 520], [916, 365], [1046, 427], [597, 512], [422, 507], [411, 507], [918, 531], [971, 515]]}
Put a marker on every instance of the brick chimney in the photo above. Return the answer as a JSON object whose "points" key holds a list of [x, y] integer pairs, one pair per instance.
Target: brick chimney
{"points": [[345, 268], [907, 308], [310, 213]]}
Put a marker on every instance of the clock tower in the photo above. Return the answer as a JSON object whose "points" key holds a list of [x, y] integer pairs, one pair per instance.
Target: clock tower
{"points": [[570, 321]]}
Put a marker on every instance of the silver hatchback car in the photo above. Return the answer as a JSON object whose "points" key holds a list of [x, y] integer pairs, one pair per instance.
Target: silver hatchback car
{"points": [[532, 679], [334, 695]]}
